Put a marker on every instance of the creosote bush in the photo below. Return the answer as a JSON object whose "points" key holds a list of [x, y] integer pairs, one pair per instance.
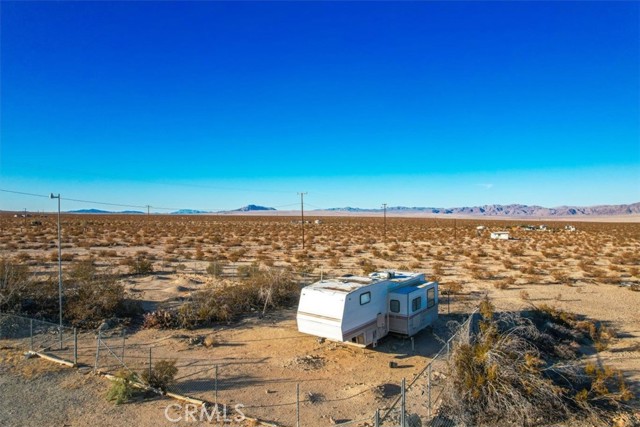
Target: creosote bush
{"points": [[121, 389], [162, 375], [139, 265], [257, 292], [89, 295], [215, 268], [516, 370]]}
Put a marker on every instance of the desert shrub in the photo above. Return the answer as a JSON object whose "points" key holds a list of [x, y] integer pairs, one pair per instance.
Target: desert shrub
{"points": [[367, 266], [452, 288], [516, 250], [501, 284], [481, 274], [121, 388], [438, 269], [497, 378], [263, 289], [602, 384], [91, 296], [161, 319], [139, 265], [15, 278], [162, 375], [562, 277], [508, 264], [247, 271], [600, 335], [215, 268], [512, 372], [66, 257]]}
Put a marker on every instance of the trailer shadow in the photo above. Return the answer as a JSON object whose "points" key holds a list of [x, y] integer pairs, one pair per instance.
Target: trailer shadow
{"points": [[426, 343]]}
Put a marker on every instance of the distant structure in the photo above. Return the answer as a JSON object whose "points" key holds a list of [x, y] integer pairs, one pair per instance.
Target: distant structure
{"points": [[569, 228], [361, 310], [317, 221], [479, 230], [500, 235]]}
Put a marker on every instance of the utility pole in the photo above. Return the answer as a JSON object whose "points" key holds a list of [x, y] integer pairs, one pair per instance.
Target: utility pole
{"points": [[384, 206], [148, 207], [455, 230], [51, 196], [302, 215]]}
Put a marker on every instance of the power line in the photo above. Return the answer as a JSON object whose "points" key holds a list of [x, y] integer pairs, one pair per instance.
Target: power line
{"points": [[122, 205], [104, 203], [23, 193], [125, 205]]}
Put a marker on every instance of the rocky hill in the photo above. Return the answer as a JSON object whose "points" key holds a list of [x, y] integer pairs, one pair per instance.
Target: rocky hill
{"points": [[513, 210]]}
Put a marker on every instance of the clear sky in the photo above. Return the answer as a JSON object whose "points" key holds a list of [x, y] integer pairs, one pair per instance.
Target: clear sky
{"points": [[215, 105]]}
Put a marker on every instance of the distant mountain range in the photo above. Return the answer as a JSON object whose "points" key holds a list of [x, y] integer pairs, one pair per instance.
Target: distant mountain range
{"points": [[189, 212], [248, 208], [513, 210], [510, 210], [100, 211]]}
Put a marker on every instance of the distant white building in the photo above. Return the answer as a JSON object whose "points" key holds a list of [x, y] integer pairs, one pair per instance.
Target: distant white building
{"points": [[500, 235], [317, 221]]}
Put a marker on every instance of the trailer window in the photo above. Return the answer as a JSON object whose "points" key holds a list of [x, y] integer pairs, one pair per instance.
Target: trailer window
{"points": [[365, 298], [394, 306], [416, 304], [431, 297]]}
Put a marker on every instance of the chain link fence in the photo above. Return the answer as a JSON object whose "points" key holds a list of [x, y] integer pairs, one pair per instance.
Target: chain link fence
{"points": [[112, 352], [420, 398]]}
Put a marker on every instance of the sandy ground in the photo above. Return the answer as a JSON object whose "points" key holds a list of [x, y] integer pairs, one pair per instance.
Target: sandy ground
{"points": [[260, 362]]}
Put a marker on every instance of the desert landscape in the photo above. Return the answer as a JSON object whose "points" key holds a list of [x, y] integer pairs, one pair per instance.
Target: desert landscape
{"points": [[320, 213], [164, 262]]}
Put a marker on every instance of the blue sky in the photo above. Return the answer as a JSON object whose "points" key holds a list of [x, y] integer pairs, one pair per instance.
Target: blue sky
{"points": [[214, 105]]}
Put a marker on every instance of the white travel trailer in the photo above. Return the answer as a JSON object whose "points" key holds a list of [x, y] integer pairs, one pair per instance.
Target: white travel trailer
{"points": [[361, 310], [501, 235]]}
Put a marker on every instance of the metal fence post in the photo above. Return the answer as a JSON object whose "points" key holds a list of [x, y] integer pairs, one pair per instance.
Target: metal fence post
{"points": [[376, 419], [149, 364], [298, 405], [124, 336], [429, 389], [31, 334], [403, 404], [98, 350], [215, 387], [75, 347]]}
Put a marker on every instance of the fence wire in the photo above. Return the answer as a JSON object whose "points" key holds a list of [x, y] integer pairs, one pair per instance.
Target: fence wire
{"points": [[110, 351]]}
